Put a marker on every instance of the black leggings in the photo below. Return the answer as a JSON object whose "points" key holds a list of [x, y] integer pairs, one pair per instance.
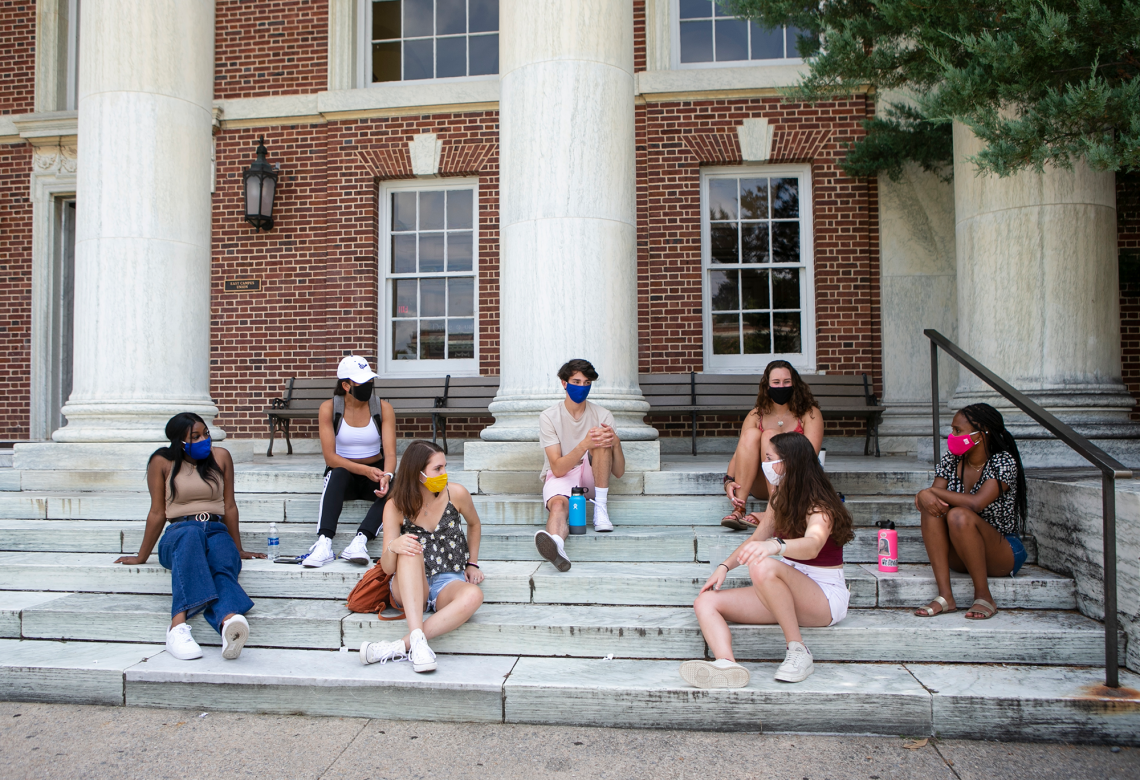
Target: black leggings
{"points": [[342, 485]]}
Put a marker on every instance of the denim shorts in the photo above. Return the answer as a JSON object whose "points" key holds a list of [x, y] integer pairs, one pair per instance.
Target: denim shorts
{"points": [[438, 582], [1019, 553]]}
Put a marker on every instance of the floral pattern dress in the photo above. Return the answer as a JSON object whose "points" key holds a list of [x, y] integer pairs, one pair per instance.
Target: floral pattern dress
{"points": [[445, 548]]}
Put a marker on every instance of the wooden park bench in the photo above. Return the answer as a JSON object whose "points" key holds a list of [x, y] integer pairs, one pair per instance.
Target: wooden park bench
{"points": [[838, 395], [433, 396]]}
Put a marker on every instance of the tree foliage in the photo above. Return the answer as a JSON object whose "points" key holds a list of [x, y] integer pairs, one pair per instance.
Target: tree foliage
{"points": [[1039, 81]]}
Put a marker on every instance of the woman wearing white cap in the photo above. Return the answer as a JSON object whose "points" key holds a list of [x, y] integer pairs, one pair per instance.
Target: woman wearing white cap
{"points": [[358, 440]]}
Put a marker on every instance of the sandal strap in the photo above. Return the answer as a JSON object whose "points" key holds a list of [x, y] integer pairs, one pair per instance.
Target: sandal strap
{"points": [[990, 607], [942, 602]]}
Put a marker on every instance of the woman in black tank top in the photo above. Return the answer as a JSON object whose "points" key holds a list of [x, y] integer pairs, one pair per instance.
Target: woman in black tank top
{"points": [[434, 565]]}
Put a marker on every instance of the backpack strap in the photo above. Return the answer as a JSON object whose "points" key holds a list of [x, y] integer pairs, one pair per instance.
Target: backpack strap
{"points": [[374, 408], [338, 413]]}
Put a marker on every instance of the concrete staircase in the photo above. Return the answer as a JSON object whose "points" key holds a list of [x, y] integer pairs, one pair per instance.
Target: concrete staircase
{"points": [[76, 627]]}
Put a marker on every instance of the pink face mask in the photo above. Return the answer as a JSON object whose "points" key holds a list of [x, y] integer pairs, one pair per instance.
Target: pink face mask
{"points": [[960, 445]]}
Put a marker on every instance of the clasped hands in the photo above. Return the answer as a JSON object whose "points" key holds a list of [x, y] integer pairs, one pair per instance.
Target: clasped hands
{"points": [[930, 504], [601, 436]]}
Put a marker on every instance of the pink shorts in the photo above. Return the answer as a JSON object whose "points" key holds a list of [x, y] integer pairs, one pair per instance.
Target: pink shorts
{"points": [[579, 476]]}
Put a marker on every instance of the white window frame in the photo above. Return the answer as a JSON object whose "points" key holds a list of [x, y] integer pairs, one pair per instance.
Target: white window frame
{"points": [[422, 368], [752, 364], [364, 55], [675, 45]]}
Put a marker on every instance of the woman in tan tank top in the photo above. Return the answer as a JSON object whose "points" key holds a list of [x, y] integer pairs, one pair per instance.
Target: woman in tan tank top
{"points": [[192, 487]]}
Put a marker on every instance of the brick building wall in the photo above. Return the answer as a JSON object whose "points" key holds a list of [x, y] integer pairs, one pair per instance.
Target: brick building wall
{"points": [[15, 291], [17, 56], [1128, 246], [263, 49]]}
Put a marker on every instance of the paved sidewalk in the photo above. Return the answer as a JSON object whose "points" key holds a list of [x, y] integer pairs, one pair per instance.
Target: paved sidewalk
{"points": [[69, 741]]}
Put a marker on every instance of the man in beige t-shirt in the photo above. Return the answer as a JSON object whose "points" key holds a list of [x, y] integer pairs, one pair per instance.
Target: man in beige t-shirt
{"points": [[581, 450]]}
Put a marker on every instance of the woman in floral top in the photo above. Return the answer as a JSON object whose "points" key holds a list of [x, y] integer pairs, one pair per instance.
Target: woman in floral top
{"points": [[434, 565], [974, 514]]}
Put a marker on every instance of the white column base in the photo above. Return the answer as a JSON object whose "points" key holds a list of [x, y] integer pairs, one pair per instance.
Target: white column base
{"points": [[130, 421], [527, 456], [104, 456]]}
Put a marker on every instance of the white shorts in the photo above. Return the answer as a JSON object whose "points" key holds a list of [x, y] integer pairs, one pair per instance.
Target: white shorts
{"points": [[581, 475], [831, 582]]}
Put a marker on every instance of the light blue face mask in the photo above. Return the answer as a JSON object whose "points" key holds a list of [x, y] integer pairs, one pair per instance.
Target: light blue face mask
{"points": [[199, 450], [577, 393]]}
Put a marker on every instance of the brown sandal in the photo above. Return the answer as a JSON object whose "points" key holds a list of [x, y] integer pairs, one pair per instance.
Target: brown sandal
{"points": [[740, 522], [928, 611], [987, 611]]}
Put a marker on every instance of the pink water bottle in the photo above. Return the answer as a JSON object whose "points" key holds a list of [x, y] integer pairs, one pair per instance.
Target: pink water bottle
{"points": [[888, 546]]}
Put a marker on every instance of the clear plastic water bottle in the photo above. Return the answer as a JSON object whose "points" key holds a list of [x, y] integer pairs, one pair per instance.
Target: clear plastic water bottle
{"points": [[274, 545]]}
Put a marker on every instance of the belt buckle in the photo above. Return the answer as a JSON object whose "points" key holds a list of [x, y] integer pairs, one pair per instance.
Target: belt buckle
{"points": [[202, 517]]}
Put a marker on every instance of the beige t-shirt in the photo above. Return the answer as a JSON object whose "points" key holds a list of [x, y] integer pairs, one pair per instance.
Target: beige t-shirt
{"points": [[556, 426]]}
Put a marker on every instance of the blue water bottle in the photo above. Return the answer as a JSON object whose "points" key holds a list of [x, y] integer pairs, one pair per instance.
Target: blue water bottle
{"points": [[578, 510]]}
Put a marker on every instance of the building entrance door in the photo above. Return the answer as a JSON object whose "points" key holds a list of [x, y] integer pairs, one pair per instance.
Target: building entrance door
{"points": [[62, 313]]}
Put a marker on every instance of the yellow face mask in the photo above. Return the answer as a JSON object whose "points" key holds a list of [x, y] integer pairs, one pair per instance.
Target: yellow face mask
{"points": [[435, 484]]}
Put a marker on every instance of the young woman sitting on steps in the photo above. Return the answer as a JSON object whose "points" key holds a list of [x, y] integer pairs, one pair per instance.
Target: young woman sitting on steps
{"points": [[806, 524], [973, 516], [435, 566], [192, 487], [784, 404]]}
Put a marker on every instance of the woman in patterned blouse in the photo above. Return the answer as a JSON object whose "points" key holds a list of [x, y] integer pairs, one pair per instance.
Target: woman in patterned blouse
{"points": [[974, 514], [435, 565]]}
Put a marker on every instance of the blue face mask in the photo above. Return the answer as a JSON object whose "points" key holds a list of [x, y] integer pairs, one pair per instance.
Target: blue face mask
{"points": [[199, 450], [577, 393]]}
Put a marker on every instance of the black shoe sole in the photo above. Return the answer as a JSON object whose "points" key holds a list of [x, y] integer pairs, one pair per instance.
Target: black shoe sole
{"points": [[548, 549]]}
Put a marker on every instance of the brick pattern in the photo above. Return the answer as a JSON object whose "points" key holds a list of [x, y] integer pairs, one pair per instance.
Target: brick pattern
{"points": [[639, 52], [318, 266], [15, 291], [1128, 245], [17, 57], [673, 141], [277, 48]]}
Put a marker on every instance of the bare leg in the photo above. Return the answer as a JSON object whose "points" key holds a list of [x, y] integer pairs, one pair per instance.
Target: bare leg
{"points": [[982, 550], [746, 465], [714, 608], [601, 461], [409, 589], [791, 596], [936, 537], [454, 605], [558, 521], [178, 619]]}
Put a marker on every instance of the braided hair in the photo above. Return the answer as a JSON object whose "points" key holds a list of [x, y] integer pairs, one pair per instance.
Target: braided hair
{"points": [[989, 421]]}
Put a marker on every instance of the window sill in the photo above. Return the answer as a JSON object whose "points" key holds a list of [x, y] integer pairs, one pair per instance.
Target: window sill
{"points": [[672, 84]]}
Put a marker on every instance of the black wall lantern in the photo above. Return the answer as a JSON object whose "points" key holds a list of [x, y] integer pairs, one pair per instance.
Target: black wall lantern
{"points": [[260, 184]]}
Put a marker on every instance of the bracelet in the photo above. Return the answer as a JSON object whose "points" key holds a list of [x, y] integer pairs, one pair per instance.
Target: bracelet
{"points": [[725, 565], [727, 479], [388, 474], [471, 563]]}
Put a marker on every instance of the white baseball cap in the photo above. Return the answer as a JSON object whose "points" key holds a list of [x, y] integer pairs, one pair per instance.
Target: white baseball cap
{"points": [[355, 368]]}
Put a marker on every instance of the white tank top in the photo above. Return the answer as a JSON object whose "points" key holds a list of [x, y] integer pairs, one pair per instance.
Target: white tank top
{"points": [[358, 443]]}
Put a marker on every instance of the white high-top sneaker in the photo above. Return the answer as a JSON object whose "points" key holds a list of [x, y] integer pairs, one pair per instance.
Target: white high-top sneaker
{"points": [[602, 522], [797, 665], [357, 550], [319, 554], [382, 652], [181, 645], [423, 659]]}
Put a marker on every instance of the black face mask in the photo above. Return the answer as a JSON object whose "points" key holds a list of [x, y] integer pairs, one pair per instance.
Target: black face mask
{"points": [[363, 392], [781, 395]]}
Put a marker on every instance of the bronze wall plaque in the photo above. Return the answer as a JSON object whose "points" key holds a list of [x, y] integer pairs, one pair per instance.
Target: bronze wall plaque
{"points": [[243, 285]]}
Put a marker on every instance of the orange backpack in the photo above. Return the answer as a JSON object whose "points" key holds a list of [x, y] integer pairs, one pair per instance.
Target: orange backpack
{"points": [[373, 593]]}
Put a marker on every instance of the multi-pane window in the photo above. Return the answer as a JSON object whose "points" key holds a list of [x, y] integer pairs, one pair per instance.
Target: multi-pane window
{"points": [[426, 39], [757, 268], [709, 34], [431, 271]]}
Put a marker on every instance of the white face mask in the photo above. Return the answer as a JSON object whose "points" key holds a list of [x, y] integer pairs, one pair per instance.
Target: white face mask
{"points": [[770, 472]]}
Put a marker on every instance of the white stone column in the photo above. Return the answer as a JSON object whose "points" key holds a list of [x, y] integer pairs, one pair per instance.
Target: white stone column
{"points": [[1038, 298], [567, 211], [142, 257]]}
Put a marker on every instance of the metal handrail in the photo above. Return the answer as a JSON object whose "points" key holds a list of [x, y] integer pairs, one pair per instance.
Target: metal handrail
{"points": [[1111, 470]]}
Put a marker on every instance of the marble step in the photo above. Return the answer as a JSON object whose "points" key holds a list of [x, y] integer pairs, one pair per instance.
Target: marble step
{"points": [[587, 582], [879, 635], [493, 509], [1063, 704]]}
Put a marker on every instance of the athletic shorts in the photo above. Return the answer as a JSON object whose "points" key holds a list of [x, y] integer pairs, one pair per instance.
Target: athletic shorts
{"points": [[579, 476]]}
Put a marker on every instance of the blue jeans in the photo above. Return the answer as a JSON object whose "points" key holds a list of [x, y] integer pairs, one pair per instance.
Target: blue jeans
{"points": [[204, 566]]}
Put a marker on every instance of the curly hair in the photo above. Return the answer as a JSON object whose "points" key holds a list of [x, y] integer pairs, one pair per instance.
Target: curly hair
{"points": [[805, 490], [802, 400]]}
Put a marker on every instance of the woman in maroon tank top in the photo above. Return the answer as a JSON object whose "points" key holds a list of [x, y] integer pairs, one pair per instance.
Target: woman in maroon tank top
{"points": [[806, 524]]}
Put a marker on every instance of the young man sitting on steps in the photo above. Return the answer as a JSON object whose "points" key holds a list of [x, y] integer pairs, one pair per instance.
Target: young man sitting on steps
{"points": [[581, 450]]}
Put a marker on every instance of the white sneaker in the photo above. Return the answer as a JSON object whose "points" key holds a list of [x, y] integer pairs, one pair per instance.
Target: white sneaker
{"points": [[797, 665], [721, 673], [602, 522], [234, 633], [552, 549], [382, 652], [319, 554], [181, 645], [357, 550], [423, 659]]}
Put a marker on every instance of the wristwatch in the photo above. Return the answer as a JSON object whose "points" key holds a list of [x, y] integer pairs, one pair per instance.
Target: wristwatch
{"points": [[781, 542]]}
